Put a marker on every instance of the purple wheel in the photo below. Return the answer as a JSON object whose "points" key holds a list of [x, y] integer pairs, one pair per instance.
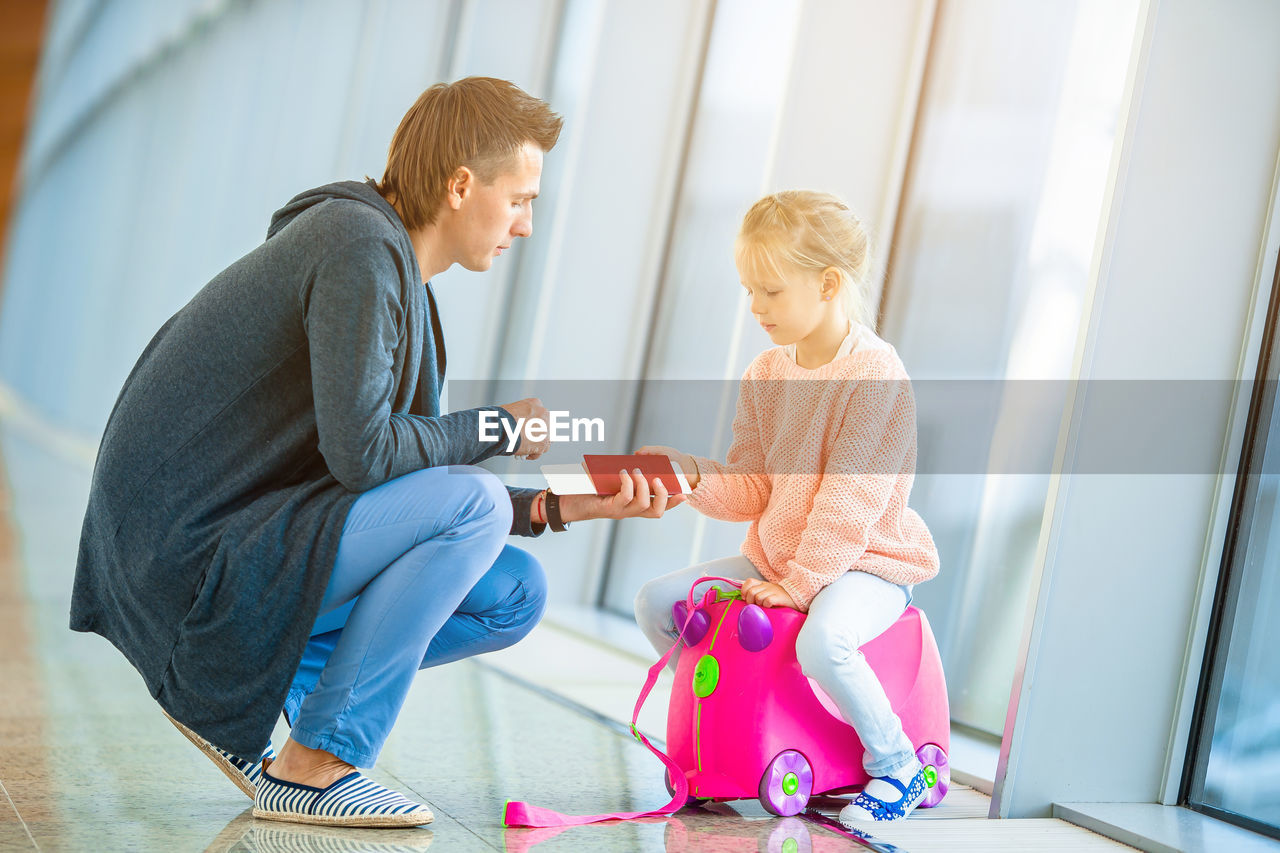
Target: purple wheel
{"points": [[789, 836], [937, 772], [786, 784]]}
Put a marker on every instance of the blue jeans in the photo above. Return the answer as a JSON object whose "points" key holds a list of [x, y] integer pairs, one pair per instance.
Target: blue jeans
{"points": [[423, 576], [849, 612]]}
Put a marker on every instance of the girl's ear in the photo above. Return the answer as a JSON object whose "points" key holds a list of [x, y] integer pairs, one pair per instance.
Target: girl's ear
{"points": [[830, 283], [459, 187]]}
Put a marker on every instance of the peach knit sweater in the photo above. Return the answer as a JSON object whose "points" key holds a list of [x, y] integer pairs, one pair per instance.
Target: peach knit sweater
{"points": [[821, 464]]}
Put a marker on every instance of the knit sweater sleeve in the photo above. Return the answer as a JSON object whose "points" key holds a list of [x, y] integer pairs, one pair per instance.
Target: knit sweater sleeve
{"points": [[874, 448], [738, 488], [353, 317]]}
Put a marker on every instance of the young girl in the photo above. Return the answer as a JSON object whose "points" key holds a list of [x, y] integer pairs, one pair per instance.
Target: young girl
{"points": [[821, 464]]}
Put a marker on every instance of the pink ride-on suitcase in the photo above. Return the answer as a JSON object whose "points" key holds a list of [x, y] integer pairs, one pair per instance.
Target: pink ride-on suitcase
{"points": [[744, 721]]}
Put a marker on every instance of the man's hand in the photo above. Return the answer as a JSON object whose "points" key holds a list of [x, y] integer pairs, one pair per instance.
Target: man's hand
{"points": [[684, 460], [633, 500], [524, 411], [766, 594]]}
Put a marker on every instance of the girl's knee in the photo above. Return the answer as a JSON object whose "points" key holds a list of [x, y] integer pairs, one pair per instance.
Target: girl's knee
{"points": [[820, 646], [653, 603]]}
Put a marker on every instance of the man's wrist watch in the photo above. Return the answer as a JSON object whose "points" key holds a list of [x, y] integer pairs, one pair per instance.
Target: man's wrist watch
{"points": [[553, 512]]}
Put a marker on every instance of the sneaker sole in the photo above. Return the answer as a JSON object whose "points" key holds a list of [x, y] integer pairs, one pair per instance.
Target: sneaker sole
{"points": [[230, 770], [418, 819]]}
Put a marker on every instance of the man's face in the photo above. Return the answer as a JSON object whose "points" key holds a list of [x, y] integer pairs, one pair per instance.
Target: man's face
{"points": [[486, 218]]}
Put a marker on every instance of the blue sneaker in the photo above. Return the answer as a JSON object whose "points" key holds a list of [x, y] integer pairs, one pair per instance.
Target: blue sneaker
{"points": [[869, 808]]}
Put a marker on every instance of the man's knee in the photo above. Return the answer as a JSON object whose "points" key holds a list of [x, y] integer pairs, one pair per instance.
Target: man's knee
{"points": [[528, 570], [485, 497], [527, 600]]}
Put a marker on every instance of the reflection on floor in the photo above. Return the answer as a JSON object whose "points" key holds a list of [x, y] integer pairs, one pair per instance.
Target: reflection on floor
{"points": [[88, 763]]}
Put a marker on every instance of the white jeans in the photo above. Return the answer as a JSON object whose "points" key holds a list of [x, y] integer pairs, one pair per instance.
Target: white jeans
{"points": [[848, 613]]}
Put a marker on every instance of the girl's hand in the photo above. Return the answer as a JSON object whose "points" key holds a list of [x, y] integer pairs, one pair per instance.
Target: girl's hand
{"points": [[766, 594], [684, 460], [633, 500]]}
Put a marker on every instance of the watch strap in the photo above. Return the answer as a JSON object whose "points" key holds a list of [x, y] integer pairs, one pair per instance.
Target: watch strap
{"points": [[553, 512]]}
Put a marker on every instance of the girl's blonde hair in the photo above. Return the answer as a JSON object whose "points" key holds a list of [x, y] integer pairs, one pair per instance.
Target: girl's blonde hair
{"points": [[809, 231]]}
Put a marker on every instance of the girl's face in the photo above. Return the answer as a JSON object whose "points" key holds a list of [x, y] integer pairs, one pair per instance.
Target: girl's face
{"points": [[789, 304]]}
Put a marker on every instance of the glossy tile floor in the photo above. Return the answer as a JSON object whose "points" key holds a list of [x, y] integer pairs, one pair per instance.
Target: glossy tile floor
{"points": [[88, 763]]}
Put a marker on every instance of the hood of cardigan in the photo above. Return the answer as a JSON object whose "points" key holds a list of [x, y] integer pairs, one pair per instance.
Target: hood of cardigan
{"points": [[361, 191]]}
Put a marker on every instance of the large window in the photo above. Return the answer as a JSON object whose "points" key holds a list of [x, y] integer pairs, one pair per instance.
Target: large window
{"points": [[987, 282], [1235, 755]]}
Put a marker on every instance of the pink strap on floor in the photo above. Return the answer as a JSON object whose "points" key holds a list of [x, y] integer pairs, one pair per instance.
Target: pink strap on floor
{"points": [[522, 814]]}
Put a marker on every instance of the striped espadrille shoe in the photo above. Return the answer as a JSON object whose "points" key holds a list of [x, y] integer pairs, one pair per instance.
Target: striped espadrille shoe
{"points": [[354, 800], [244, 773], [268, 836]]}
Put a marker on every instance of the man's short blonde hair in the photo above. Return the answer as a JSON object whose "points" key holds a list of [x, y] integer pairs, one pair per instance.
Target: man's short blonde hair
{"points": [[477, 122]]}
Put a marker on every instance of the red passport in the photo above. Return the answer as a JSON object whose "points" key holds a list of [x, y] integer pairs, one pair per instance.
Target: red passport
{"points": [[603, 471]]}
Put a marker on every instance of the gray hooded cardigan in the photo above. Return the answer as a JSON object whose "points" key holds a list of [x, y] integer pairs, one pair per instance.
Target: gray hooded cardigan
{"points": [[305, 373]]}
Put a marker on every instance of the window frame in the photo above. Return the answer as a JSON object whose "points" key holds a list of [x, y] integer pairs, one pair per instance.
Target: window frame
{"points": [[1222, 616]]}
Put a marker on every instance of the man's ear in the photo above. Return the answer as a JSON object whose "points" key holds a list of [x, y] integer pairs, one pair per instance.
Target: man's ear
{"points": [[459, 187]]}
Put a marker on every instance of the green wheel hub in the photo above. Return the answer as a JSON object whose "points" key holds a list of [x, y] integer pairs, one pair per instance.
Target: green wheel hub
{"points": [[931, 775], [706, 676], [790, 784], [791, 846]]}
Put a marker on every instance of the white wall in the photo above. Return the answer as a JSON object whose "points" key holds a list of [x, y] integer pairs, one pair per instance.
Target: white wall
{"points": [[1100, 706]]}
